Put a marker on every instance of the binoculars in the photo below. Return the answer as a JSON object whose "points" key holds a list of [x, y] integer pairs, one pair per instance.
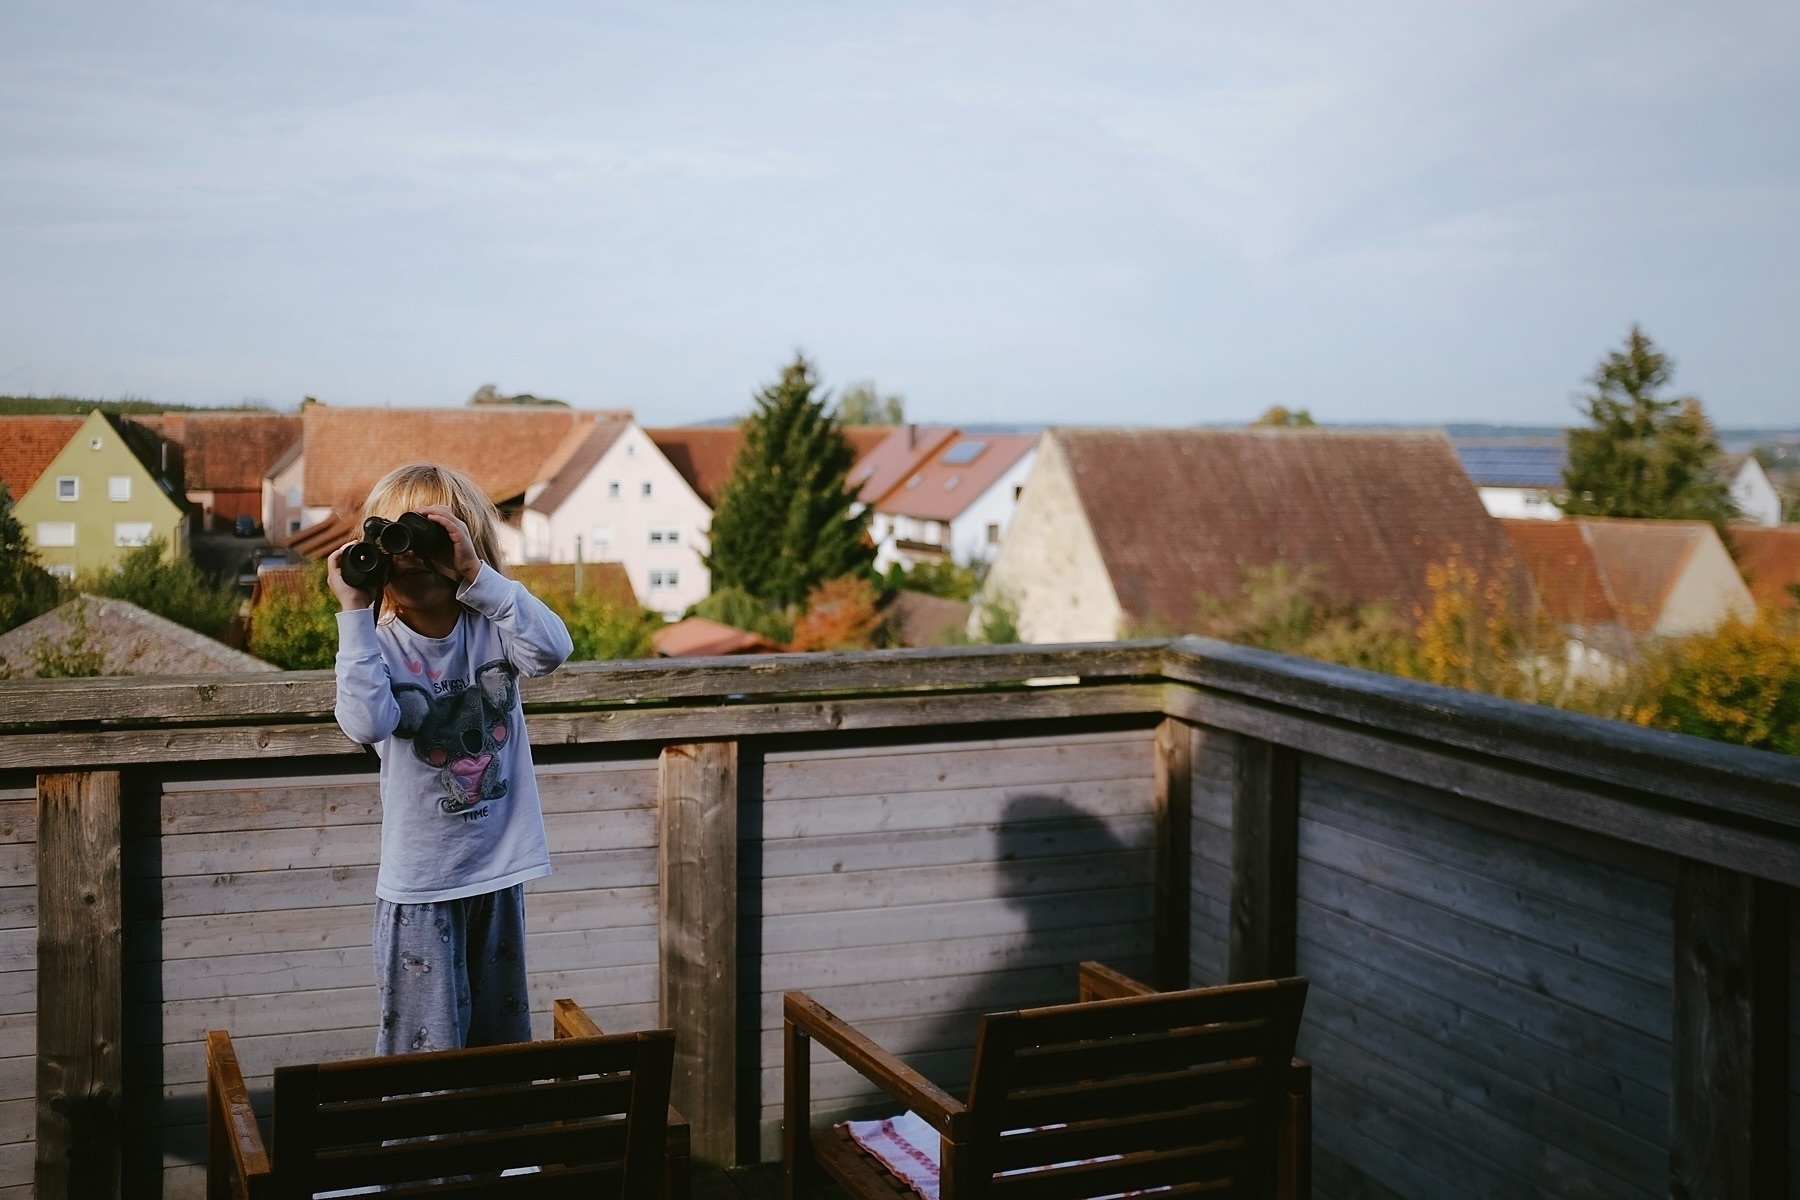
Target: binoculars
{"points": [[366, 564]]}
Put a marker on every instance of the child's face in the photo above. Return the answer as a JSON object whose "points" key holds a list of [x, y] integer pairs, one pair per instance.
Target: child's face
{"points": [[418, 585]]}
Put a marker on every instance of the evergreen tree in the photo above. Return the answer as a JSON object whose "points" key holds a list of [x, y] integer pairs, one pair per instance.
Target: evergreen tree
{"points": [[26, 589], [1644, 455], [784, 520]]}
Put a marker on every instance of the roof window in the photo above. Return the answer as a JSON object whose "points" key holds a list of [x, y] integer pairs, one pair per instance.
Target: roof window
{"points": [[964, 452], [952, 482]]}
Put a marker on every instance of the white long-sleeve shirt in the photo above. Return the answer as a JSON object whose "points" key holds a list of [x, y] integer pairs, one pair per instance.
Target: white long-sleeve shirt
{"points": [[459, 802]]}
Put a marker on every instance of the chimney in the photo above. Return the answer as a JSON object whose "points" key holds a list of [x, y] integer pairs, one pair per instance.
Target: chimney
{"points": [[912, 436]]}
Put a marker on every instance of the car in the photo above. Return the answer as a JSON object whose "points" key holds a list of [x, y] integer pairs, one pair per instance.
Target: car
{"points": [[245, 526]]}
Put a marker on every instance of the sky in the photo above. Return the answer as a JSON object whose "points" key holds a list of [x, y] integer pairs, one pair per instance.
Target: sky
{"points": [[1095, 213]]}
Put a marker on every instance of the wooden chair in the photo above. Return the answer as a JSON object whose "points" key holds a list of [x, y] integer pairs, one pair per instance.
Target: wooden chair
{"points": [[1194, 1090], [567, 1020], [588, 1111]]}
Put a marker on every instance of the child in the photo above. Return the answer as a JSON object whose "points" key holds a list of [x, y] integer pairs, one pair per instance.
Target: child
{"points": [[433, 686]]}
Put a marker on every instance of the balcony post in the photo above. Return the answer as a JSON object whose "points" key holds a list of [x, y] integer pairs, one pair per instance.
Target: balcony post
{"points": [[698, 853], [80, 987], [1265, 825], [1728, 1107], [1174, 850]]}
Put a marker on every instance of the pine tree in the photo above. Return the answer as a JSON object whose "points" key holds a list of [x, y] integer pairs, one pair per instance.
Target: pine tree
{"points": [[26, 589], [1643, 455], [784, 520]]}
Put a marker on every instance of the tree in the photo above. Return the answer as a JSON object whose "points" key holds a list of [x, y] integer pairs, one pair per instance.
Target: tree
{"points": [[1284, 418], [297, 629], [861, 404], [784, 521], [840, 615], [26, 589], [487, 393], [1644, 455]]}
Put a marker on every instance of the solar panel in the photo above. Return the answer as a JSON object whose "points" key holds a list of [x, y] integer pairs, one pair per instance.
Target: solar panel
{"points": [[964, 452]]}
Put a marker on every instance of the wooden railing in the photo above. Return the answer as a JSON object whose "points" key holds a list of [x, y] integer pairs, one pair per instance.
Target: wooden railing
{"points": [[1517, 920]]}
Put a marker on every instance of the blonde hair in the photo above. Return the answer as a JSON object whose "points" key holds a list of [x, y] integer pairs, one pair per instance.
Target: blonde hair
{"points": [[410, 488]]}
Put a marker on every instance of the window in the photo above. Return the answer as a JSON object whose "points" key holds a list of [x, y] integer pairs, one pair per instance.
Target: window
{"points": [[671, 536], [62, 570], [131, 533], [656, 537], [1018, 490], [993, 533], [964, 452], [94, 443], [118, 487], [68, 487], [612, 490], [656, 579], [293, 524], [600, 535], [646, 487], [672, 578], [56, 533]]}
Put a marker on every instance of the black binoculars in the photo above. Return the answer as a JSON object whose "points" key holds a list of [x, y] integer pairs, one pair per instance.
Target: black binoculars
{"points": [[366, 564]]}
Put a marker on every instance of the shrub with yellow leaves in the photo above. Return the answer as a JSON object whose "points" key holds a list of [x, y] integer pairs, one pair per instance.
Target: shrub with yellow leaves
{"points": [[1740, 683]]}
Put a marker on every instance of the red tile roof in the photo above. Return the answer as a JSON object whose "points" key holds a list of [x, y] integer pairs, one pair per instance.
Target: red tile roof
{"points": [[1641, 562], [1178, 512], [703, 455], [697, 637], [939, 491], [890, 461], [1570, 585], [28, 444], [504, 449], [230, 451], [581, 448], [1770, 560]]}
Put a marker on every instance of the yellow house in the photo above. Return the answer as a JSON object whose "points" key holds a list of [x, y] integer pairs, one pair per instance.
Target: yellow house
{"points": [[98, 497]]}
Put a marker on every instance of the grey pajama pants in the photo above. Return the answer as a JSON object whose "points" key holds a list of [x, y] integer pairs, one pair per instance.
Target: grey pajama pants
{"points": [[451, 973]]}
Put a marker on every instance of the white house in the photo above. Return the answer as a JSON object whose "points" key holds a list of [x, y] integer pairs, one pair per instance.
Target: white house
{"points": [[618, 498], [1752, 491], [955, 502], [1516, 477], [283, 498]]}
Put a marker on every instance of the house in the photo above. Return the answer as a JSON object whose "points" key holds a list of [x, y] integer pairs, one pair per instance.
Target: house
{"points": [[1517, 477], [1119, 530], [1614, 582], [123, 640], [894, 458], [952, 503], [1754, 493], [27, 446], [1770, 562], [283, 494], [572, 485], [105, 490], [223, 457]]}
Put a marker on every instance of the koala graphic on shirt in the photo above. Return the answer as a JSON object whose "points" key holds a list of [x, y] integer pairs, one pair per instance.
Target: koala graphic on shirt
{"points": [[462, 733]]}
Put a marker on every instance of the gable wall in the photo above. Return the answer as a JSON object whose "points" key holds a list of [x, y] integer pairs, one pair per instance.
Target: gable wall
{"points": [[1706, 592], [1049, 564], [94, 516]]}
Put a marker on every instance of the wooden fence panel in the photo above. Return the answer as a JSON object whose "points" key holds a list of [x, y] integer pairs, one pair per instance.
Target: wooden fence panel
{"points": [[1489, 1015], [911, 888], [18, 990], [1209, 918], [249, 908]]}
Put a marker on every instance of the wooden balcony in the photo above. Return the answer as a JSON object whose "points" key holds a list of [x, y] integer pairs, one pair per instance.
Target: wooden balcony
{"points": [[1549, 955]]}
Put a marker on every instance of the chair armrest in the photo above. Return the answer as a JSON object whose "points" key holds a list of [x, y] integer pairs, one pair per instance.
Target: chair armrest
{"points": [[945, 1113], [1097, 981], [231, 1124], [569, 1020], [1293, 1177]]}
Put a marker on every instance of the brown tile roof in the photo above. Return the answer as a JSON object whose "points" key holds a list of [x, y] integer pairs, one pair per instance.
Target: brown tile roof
{"points": [[697, 637], [1641, 561], [703, 454], [320, 538], [897, 455], [939, 490], [556, 581], [919, 619], [230, 451], [1570, 585], [581, 448], [28, 443], [504, 449], [1770, 560], [1177, 512]]}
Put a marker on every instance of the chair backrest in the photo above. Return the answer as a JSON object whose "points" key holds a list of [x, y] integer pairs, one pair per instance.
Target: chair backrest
{"points": [[1174, 1090], [588, 1112]]}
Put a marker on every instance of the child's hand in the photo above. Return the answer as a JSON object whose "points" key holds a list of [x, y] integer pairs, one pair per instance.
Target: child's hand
{"points": [[348, 596], [464, 560]]}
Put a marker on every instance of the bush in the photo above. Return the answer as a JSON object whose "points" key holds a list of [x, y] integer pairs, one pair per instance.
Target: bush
{"points": [[603, 629], [945, 579], [739, 609], [26, 589], [1295, 612], [1739, 683], [840, 615], [173, 588], [297, 631]]}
